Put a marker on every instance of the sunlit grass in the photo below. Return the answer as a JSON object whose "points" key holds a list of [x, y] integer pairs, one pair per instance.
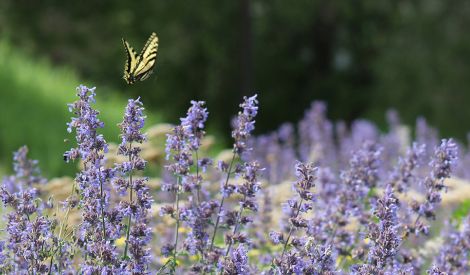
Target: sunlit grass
{"points": [[33, 109]]}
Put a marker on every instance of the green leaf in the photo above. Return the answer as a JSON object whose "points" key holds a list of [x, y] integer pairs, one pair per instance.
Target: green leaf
{"points": [[462, 211]]}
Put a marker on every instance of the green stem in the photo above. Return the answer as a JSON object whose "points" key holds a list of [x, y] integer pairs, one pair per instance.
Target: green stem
{"points": [[130, 202], [162, 267], [291, 230], [198, 188], [128, 225], [239, 216], [221, 203], [177, 225], [102, 208]]}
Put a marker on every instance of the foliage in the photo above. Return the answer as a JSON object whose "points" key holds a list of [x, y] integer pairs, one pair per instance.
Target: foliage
{"points": [[361, 58], [462, 211]]}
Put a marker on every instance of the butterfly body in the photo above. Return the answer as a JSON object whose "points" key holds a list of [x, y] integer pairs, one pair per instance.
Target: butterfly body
{"points": [[140, 67]]}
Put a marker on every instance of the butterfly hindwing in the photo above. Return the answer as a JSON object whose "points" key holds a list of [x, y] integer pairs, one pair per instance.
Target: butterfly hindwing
{"points": [[140, 67]]}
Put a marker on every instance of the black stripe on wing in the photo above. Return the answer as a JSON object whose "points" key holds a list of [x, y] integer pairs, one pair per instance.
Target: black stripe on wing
{"points": [[152, 41], [128, 61]]}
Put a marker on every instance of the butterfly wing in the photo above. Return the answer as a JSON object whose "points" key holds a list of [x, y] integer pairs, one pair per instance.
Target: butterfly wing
{"points": [[146, 59], [131, 63]]}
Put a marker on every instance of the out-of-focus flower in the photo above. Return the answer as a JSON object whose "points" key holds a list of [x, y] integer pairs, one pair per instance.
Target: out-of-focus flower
{"points": [[244, 123], [453, 255]]}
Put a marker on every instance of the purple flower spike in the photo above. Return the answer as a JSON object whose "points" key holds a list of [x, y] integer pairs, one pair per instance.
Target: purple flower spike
{"points": [[135, 209], [193, 123], [244, 123]]}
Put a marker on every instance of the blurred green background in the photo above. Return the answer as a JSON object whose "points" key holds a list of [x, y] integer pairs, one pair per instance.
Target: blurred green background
{"points": [[361, 57]]}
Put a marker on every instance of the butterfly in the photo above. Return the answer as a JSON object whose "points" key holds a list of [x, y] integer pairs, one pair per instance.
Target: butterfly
{"points": [[140, 67]]}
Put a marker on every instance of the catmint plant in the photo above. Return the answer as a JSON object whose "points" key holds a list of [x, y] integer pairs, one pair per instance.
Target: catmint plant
{"points": [[296, 208], [136, 255], [403, 175], [244, 124], [275, 152], [441, 164], [183, 145], [363, 200], [248, 190], [100, 225], [453, 255], [316, 135], [384, 235], [30, 239]]}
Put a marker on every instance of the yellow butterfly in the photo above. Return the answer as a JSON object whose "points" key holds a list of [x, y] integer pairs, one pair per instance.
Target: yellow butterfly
{"points": [[139, 67]]}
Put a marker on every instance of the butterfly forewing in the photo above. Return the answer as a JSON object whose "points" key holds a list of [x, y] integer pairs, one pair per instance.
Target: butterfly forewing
{"points": [[131, 62], [140, 67]]}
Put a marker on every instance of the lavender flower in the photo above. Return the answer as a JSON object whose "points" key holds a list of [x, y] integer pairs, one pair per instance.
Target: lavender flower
{"points": [[85, 123], [198, 218], [193, 123], [362, 175], [276, 237], [244, 124], [320, 260], [93, 182], [26, 171], [306, 176], [441, 165], [275, 152], [177, 147], [344, 215], [392, 142], [363, 131], [426, 135], [140, 200], [316, 136], [453, 256], [384, 235], [183, 144], [402, 176], [237, 263], [29, 232], [248, 190]]}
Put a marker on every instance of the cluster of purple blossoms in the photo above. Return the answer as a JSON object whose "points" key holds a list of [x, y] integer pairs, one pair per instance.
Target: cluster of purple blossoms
{"points": [[135, 209], [453, 255], [316, 135], [344, 217], [193, 124], [275, 152], [404, 173], [29, 232], [361, 177], [297, 260], [100, 223], [248, 190], [185, 140], [27, 172], [444, 158], [243, 126], [384, 236], [237, 262], [382, 160], [183, 146]]}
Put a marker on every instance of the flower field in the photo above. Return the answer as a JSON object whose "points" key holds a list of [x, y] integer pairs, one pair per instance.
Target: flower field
{"points": [[318, 197]]}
